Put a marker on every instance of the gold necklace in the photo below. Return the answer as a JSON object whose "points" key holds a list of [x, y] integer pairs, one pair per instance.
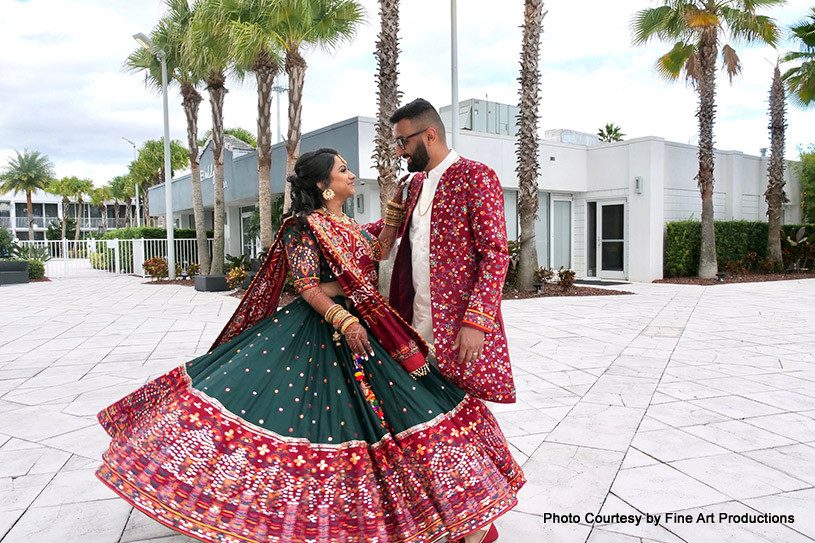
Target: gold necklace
{"points": [[419, 199], [341, 218]]}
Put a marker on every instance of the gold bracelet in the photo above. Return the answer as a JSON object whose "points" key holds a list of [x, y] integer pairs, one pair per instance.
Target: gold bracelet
{"points": [[340, 316], [396, 207], [347, 323], [329, 314]]}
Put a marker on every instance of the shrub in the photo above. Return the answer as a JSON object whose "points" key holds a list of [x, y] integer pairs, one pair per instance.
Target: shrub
{"points": [[735, 240], [36, 269], [565, 278], [156, 268], [544, 275], [511, 279], [30, 252], [235, 277], [100, 261], [193, 269], [7, 244], [233, 262]]}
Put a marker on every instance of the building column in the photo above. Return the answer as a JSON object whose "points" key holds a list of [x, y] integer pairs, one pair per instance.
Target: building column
{"points": [[646, 210]]}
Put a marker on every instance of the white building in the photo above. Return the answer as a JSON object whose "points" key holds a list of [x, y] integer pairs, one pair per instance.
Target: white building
{"points": [[602, 206], [47, 208]]}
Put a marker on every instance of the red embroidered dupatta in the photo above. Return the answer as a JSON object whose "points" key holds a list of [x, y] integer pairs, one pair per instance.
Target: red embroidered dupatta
{"points": [[348, 253]]}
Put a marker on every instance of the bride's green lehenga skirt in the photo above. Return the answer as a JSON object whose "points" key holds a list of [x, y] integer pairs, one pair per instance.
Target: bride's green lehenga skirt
{"points": [[280, 435]]}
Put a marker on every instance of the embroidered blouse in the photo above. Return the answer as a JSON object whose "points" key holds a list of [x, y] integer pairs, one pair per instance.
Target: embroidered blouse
{"points": [[309, 266]]}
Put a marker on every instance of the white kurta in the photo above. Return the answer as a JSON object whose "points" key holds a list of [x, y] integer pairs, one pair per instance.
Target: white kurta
{"points": [[420, 248]]}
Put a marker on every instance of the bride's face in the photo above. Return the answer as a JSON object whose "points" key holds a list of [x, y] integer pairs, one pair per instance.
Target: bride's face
{"points": [[342, 180]]}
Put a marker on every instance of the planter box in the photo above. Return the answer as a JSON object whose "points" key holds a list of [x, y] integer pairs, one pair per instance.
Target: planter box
{"points": [[13, 272], [211, 283]]}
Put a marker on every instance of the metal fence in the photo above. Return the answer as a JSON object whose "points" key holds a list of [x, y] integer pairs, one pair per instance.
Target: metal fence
{"points": [[126, 256]]}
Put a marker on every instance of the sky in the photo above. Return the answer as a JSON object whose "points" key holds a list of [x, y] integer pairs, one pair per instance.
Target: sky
{"points": [[64, 92]]}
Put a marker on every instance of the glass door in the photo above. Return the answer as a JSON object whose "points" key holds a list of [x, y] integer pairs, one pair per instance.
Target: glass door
{"points": [[561, 233], [611, 242]]}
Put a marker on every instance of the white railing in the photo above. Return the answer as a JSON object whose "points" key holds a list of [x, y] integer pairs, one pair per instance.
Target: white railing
{"points": [[124, 256], [5, 221], [38, 222]]}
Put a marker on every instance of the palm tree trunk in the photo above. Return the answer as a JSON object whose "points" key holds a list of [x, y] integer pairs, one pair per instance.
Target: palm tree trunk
{"points": [[129, 212], [29, 207], [217, 92], [774, 194], [104, 209], [296, 70], [388, 98], [708, 266], [78, 218], [265, 71], [144, 202], [527, 149], [65, 203], [191, 101]]}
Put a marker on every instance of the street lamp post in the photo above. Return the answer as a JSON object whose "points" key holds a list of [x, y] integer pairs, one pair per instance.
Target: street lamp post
{"points": [[145, 42], [136, 185]]}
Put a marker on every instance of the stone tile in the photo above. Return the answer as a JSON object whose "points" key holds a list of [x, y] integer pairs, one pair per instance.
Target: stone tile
{"points": [[518, 526], [38, 423], [733, 532], [795, 460], [738, 476], [738, 436], [794, 426], [673, 444], [565, 478], [140, 527], [72, 487], [660, 488], [89, 522], [679, 414], [89, 442], [736, 407], [797, 504], [787, 400], [601, 426], [7, 520]]}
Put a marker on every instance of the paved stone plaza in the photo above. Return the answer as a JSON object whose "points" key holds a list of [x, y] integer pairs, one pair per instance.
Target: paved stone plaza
{"points": [[679, 399]]}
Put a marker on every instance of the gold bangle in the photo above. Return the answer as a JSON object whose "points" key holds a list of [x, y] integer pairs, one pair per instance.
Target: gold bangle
{"points": [[339, 317], [396, 207], [329, 314], [349, 322]]}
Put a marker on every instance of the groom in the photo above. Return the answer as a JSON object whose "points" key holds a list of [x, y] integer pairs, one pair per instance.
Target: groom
{"points": [[451, 263]]}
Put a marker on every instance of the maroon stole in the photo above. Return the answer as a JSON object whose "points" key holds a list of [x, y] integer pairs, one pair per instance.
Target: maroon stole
{"points": [[348, 253]]}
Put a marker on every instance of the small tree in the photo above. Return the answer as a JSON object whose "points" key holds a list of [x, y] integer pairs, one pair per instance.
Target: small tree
{"points": [[610, 133], [28, 172]]}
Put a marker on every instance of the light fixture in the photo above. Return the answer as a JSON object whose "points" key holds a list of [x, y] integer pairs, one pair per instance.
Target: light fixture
{"points": [[148, 44]]}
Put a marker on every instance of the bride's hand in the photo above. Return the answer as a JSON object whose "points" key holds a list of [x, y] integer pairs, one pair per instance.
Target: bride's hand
{"points": [[400, 188], [357, 339]]}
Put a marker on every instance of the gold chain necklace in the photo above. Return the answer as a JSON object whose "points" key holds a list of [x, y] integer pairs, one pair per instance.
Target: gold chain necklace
{"points": [[340, 218], [419, 199]]}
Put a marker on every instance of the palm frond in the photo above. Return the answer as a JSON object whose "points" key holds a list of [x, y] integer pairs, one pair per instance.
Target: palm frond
{"points": [[671, 65], [730, 62]]}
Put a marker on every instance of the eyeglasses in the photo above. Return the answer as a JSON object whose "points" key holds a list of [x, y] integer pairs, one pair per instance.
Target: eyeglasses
{"points": [[402, 142]]}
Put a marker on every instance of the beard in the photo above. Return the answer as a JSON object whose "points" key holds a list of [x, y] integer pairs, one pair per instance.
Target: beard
{"points": [[418, 158]]}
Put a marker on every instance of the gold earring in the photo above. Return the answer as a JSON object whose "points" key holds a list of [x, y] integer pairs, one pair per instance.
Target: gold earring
{"points": [[328, 194]]}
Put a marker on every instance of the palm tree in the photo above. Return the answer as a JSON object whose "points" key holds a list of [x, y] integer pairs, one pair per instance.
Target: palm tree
{"points": [[388, 98], [527, 147], [100, 197], [256, 47], [610, 133], [80, 188], [801, 80], [28, 172], [66, 187], [695, 27], [207, 46], [117, 192], [170, 35], [321, 23], [774, 195], [148, 169]]}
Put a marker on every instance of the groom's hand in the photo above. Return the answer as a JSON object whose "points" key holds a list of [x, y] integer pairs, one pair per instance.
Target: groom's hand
{"points": [[469, 344]]}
